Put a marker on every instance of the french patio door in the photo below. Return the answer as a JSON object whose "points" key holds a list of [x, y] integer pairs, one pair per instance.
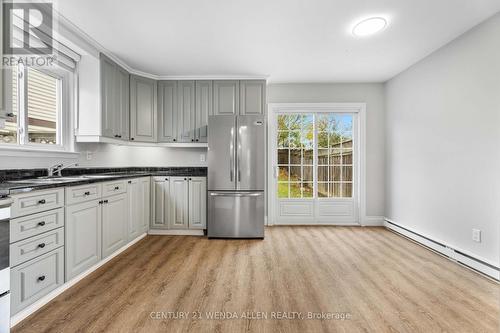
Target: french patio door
{"points": [[315, 156]]}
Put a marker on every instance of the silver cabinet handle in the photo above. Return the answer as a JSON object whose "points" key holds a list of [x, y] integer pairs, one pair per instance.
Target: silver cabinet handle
{"points": [[245, 194]]}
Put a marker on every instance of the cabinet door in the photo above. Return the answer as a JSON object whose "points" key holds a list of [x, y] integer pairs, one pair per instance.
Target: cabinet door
{"points": [[108, 97], [145, 195], [122, 130], [185, 111], [167, 111], [252, 97], [143, 94], [197, 203], [83, 237], [160, 202], [179, 202], [226, 97], [203, 105], [114, 223], [134, 207]]}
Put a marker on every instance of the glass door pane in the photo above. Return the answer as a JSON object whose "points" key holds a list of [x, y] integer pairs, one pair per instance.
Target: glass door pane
{"points": [[295, 156], [335, 151]]}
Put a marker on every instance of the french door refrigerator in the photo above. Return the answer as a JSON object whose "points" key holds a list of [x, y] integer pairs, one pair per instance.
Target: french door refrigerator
{"points": [[236, 176]]}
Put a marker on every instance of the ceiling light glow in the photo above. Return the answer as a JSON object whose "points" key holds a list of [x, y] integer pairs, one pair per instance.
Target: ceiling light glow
{"points": [[369, 26]]}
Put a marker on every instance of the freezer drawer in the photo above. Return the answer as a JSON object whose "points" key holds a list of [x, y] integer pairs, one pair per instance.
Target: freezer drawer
{"points": [[235, 214]]}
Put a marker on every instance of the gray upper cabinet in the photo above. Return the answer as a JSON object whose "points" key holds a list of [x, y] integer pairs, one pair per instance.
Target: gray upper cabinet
{"points": [[114, 100], [108, 96], [122, 122], [226, 97], [185, 111], [143, 99], [167, 111], [252, 97], [204, 101]]}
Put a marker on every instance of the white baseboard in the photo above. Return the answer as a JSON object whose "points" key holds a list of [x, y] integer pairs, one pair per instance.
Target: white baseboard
{"points": [[172, 232], [21, 315], [453, 253], [372, 221]]}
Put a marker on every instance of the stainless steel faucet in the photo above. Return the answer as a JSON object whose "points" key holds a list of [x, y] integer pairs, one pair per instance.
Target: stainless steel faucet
{"points": [[55, 170]]}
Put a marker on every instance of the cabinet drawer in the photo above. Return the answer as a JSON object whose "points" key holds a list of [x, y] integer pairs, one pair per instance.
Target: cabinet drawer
{"points": [[115, 187], [33, 247], [37, 201], [82, 193], [32, 225], [36, 278]]}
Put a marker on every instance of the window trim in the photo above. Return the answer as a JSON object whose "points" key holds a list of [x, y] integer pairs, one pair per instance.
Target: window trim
{"points": [[65, 118], [356, 108]]}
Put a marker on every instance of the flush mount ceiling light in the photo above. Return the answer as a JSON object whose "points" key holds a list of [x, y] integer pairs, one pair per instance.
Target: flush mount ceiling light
{"points": [[369, 26]]}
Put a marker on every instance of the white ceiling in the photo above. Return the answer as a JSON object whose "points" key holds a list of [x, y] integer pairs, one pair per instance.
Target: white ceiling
{"points": [[286, 40]]}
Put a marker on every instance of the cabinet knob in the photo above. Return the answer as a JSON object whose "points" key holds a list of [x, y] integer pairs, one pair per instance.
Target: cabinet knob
{"points": [[41, 278], [106, 201], [41, 245], [130, 182], [192, 140], [132, 139], [41, 223], [101, 202], [117, 188], [197, 140], [189, 178], [166, 178], [10, 115], [87, 193], [117, 136], [120, 136], [185, 178], [41, 202]]}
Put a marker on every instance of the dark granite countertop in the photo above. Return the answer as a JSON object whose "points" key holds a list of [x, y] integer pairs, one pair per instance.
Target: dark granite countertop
{"points": [[9, 179]]}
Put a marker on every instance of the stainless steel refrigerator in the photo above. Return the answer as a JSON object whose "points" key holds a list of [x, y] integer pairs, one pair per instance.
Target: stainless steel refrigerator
{"points": [[236, 176]]}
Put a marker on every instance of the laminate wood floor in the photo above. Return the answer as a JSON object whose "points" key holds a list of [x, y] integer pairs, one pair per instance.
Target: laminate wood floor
{"points": [[366, 279]]}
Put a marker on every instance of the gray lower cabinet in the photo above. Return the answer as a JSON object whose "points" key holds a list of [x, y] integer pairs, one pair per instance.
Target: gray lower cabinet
{"points": [[138, 205], [36, 278], [145, 196], [226, 97], [179, 203], [143, 114], [160, 202], [114, 223], [83, 237], [252, 97], [197, 203]]}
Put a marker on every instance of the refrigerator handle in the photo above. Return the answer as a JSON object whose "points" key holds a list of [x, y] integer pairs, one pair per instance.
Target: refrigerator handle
{"points": [[237, 194], [231, 155]]}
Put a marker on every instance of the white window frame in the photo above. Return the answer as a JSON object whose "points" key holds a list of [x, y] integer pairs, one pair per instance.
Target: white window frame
{"points": [[66, 104], [357, 108]]}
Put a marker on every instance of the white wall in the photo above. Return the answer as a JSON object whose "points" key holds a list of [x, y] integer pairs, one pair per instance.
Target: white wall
{"points": [[370, 93], [443, 143]]}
